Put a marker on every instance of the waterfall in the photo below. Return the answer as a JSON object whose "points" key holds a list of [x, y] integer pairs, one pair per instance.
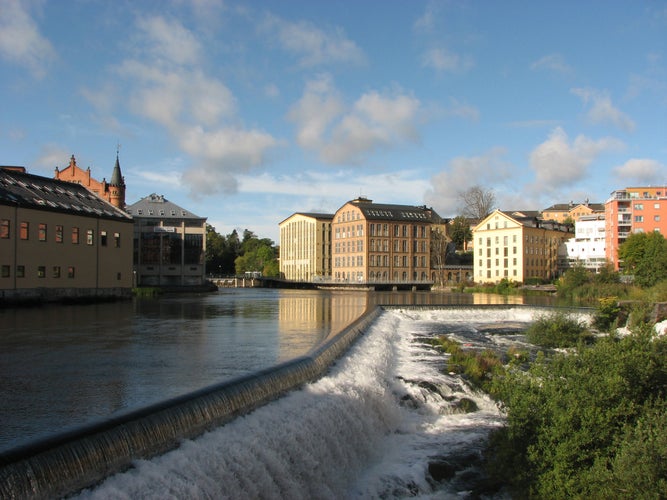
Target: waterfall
{"points": [[71, 461]]}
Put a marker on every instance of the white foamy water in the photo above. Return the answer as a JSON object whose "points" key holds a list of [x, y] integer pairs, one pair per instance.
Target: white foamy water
{"points": [[369, 429]]}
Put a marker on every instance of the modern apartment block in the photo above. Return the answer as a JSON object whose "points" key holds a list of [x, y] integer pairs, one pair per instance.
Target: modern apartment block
{"points": [[375, 242], [518, 248], [169, 243], [587, 248], [633, 209], [305, 246], [59, 241]]}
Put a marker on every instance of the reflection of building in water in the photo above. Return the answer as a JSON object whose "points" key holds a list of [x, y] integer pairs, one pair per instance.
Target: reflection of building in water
{"points": [[305, 318]]}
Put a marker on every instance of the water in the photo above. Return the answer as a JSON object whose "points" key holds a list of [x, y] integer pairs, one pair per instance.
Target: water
{"points": [[64, 366], [369, 429]]}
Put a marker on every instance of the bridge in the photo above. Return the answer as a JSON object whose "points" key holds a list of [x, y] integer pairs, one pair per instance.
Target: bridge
{"points": [[256, 281]]}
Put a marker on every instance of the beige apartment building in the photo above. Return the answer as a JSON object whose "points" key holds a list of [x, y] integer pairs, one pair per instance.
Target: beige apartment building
{"points": [[169, 244], [59, 241], [375, 242], [305, 247], [518, 248], [561, 212]]}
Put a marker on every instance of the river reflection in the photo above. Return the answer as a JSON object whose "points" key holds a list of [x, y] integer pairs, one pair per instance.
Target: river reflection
{"points": [[67, 365]]}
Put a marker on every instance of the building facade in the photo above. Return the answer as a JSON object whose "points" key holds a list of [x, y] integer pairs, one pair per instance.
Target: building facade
{"points": [[169, 244], [112, 191], [518, 248], [562, 212], [374, 242], [305, 247], [59, 241], [587, 248], [633, 209]]}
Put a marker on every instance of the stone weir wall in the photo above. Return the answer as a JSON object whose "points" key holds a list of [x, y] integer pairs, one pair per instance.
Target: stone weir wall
{"points": [[67, 463]]}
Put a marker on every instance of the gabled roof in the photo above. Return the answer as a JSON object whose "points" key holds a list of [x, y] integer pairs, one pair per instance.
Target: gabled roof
{"points": [[156, 206], [388, 212], [18, 188]]}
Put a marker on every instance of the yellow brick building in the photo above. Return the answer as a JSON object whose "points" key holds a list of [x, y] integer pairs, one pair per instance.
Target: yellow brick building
{"points": [[305, 247]]}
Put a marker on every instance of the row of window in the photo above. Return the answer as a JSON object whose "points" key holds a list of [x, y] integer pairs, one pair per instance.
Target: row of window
{"points": [[640, 218], [352, 276], [58, 233], [381, 246], [380, 261], [378, 229], [640, 206], [56, 271]]}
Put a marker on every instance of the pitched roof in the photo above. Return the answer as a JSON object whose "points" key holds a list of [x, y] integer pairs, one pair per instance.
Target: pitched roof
{"points": [[384, 211], [156, 206], [116, 176], [19, 188]]}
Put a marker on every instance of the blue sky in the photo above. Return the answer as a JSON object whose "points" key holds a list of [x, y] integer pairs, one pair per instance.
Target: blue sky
{"points": [[247, 111]]}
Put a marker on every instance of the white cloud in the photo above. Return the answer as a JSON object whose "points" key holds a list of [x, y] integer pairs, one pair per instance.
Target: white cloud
{"points": [[602, 111], [443, 60], [312, 45], [462, 110], [345, 134], [168, 40], [20, 39], [488, 170], [51, 156], [559, 163], [552, 62], [642, 171]]}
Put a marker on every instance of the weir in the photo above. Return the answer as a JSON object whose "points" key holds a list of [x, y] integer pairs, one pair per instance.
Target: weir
{"points": [[69, 462]]}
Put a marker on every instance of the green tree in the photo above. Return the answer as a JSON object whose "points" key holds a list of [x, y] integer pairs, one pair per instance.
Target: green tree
{"points": [[645, 256], [460, 232]]}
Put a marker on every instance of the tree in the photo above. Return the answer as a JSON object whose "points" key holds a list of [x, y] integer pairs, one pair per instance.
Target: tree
{"points": [[477, 202], [645, 256], [460, 232]]}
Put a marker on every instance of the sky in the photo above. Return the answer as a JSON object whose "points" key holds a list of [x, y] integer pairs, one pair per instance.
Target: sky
{"points": [[246, 112]]}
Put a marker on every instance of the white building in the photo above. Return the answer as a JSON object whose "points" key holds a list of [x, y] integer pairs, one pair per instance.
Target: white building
{"points": [[587, 248]]}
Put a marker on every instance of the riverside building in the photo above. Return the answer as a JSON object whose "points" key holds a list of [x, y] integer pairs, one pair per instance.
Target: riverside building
{"points": [[374, 242], [305, 247], [169, 244], [518, 248], [59, 241]]}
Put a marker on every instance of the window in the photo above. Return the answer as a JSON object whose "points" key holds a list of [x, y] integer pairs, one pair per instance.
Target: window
{"points": [[118, 275], [90, 237], [24, 230], [41, 271], [4, 229], [116, 240], [56, 271], [42, 231], [103, 238], [75, 235], [639, 206], [70, 272], [639, 218], [5, 271], [59, 234], [20, 271]]}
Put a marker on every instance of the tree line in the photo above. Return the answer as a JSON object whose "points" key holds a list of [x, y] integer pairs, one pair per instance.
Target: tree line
{"points": [[231, 255]]}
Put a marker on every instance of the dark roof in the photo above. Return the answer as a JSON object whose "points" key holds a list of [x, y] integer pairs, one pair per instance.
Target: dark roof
{"points": [[156, 206], [531, 221], [316, 215], [21, 189], [383, 211], [116, 176]]}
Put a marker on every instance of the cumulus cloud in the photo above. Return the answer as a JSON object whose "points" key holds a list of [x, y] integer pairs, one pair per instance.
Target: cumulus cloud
{"points": [[552, 62], [168, 87], [340, 134], [20, 39], [601, 110], [443, 60], [461, 173], [642, 171], [312, 45], [559, 162]]}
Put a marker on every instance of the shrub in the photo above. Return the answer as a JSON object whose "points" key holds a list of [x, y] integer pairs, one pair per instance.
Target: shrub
{"points": [[606, 314], [557, 330]]}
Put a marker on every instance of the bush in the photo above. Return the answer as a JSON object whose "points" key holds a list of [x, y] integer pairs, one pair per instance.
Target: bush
{"points": [[557, 330], [606, 314]]}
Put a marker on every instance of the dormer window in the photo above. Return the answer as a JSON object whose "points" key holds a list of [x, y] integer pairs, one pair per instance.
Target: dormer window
{"points": [[139, 212], [161, 212], [150, 212]]}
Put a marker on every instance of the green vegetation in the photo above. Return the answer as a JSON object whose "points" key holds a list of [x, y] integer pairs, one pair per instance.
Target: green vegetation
{"points": [[226, 255], [586, 424], [460, 232], [557, 330], [644, 255]]}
